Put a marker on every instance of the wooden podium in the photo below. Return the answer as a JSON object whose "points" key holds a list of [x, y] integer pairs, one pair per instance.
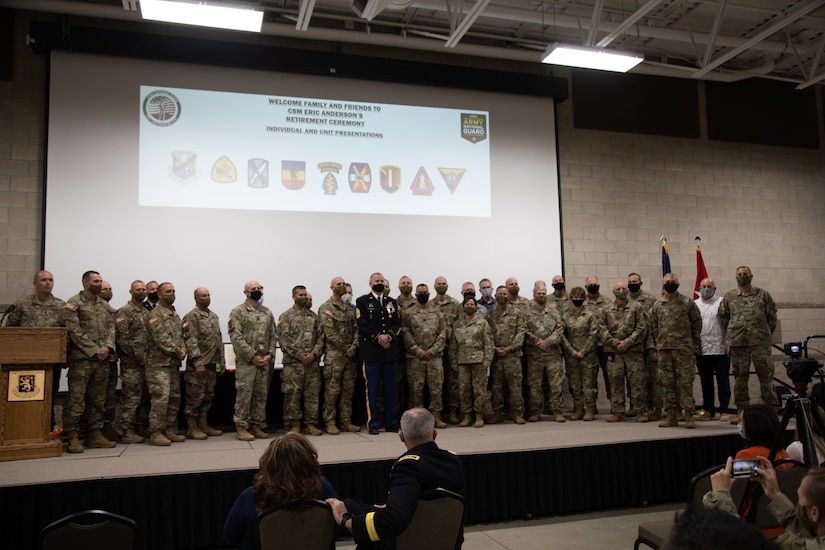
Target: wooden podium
{"points": [[27, 358]]}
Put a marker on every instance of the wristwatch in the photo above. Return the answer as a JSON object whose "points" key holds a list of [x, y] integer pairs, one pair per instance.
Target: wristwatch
{"points": [[344, 518]]}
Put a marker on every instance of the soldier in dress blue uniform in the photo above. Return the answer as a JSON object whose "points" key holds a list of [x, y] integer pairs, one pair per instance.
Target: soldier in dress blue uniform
{"points": [[379, 333]]}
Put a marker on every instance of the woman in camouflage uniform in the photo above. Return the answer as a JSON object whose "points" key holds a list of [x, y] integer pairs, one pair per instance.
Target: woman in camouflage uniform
{"points": [[471, 352], [580, 338]]}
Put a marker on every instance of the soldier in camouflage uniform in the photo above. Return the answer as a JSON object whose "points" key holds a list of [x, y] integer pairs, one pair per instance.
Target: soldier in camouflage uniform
{"points": [[748, 315], [424, 334], [676, 325], [508, 329], [559, 299], [543, 350], [340, 358], [252, 333], [164, 354], [471, 353], [581, 333], [405, 300], [204, 348], [450, 309], [624, 341], [92, 333], [653, 387], [302, 343], [110, 405], [132, 343], [598, 304], [469, 289]]}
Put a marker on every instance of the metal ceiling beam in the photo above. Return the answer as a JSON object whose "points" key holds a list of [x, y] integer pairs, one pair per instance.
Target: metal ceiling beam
{"points": [[629, 22], [304, 14], [466, 23], [594, 22], [800, 10], [714, 32]]}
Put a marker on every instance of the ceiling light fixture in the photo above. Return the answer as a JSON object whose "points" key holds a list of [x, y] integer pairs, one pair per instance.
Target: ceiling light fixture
{"points": [[203, 14], [588, 58]]}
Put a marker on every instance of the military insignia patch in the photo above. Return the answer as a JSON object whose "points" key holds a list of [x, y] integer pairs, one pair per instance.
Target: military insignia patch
{"points": [[26, 385], [183, 165], [257, 173], [473, 127], [390, 178], [422, 185], [452, 177], [223, 171], [161, 108], [293, 174], [360, 177], [330, 183]]}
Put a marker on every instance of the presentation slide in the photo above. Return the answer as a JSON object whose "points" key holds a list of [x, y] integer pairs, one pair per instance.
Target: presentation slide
{"points": [[213, 176]]}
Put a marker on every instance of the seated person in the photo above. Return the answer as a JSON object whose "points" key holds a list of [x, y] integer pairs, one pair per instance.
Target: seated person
{"points": [[795, 450], [289, 470], [712, 529], [804, 523]]}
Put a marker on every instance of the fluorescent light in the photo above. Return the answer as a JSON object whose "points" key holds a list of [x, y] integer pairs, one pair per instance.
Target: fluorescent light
{"points": [[587, 58], [203, 14]]}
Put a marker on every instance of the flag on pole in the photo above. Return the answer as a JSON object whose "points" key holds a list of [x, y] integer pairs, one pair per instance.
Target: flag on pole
{"points": [[701, 271], [665, 257]]}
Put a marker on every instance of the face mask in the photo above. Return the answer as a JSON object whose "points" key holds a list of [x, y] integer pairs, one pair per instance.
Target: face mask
{"points": [[139, 296], [256, 295], [106, 294], [469, 310], [423, 298], [741, 431], [620, 295], [405, 289], [578, 303], [558, 286], [541, 300], [593, 289], [347, 298], [671, 287], [514, 290], [502, 300], [744, 280], [94, 289], [153, 296], [469, 294], [441, 290], [487, 292], [804, 522], [169, 299], [261, 300], [203, 302], [339, 290], [302, 302], [707, 293], [378, 288], [634, 287]]}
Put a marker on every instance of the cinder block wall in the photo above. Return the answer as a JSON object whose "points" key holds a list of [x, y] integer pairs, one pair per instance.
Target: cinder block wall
{"points": [[754, 205]]}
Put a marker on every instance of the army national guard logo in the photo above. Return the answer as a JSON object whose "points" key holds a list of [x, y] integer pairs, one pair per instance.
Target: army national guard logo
{"points": [[161, 108], [183, 165], [390, 178], [360, 177], [257, 173], [293, 174], [452, 177], [473, 127], [330, 183], [422, 185], [26, 385]]}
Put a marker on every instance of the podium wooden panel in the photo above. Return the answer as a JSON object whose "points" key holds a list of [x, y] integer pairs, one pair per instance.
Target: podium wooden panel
{"points": [[25, 425]]}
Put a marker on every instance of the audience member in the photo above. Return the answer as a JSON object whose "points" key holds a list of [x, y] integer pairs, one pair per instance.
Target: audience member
{"points": [[712, 529], [795, 450]]}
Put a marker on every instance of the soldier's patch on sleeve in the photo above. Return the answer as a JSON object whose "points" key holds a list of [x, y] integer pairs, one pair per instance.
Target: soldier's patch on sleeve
{"points": [[409, 457], [152, 320], [69, 305], [358, 313], [328, 312]]}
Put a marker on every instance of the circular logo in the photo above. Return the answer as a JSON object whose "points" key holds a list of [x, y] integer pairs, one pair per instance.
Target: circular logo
{"points": [[161, 108]]}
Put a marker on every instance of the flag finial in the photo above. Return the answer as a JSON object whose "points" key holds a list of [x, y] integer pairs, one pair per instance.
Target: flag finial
{"points": [[698, 239]]}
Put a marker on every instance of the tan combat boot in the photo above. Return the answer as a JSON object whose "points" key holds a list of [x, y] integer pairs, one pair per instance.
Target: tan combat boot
{"points": [[640, 417], [616, 417], [590, 414], [689, 422], [312, 429], [74, 443], [631, 412], [535, 416], [243, 434], [496, 419], [655, 415], [130, 436], [172, 436], [192, 429], [578, 412], [348, 426], [256, 430], [558, 416], [295, 427], [669, 420], [735, 419], [466, 421], [206, 428], [453, 416], [479, 423], [439, 422], [332, 429], [96, 440], [109, 432], [518, 419], [158, 439]]}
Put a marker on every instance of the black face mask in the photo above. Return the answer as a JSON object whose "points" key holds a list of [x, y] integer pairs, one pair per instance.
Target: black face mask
{"points": [[578, 303], [422, 298], [153, 296], [593, 289], [256, 295], [558, 286], [671, 287], [634, 287], [378, 288]]}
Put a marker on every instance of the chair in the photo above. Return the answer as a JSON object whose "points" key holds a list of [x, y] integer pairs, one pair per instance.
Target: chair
{"points": [[300, 524], [788, 480], [436, 523], [96, 529]]}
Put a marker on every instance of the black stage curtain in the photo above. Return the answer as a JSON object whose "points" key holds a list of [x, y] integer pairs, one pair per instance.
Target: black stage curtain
{"points": [[187, 511]]}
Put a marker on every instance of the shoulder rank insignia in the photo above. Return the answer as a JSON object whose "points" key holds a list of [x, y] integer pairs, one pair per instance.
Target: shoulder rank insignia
{"points": [[409, 457]]}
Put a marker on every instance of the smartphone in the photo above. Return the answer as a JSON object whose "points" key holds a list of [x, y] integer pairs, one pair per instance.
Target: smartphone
{"points": [[745, 467]]}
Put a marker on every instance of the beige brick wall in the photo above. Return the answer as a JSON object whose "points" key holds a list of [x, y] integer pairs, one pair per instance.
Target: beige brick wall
{"points": [[754, 205]]}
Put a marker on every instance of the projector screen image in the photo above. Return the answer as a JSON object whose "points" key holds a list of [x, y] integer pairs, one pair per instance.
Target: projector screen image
{"points": [[306, 154], [228, 182]]}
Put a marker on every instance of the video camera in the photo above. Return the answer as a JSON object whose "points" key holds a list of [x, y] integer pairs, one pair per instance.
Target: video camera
{"points": [[801, 369]]}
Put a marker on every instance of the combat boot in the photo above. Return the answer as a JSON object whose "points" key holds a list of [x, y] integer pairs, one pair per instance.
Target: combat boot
{"points": [[496, 419], [243, 434], [312, 429], [350, 427], [157, 438], [332, 429], [558, 416], [640, 417], [655, 415], [130, 437], [578, 412], [466, 421], [439, 422], [518, 419], [74, 443], [689, 422], [631, 412], [206, 428], [295, 428], [590, 414], [96, 440], [109, 432], [616, 417], [172, 436], [670, 419], [735, 420], [453, 416], [535, 416], [192, 429], [479, 423], [256, 430]]}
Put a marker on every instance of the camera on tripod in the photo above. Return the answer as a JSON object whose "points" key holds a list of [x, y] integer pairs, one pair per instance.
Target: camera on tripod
{"points": [[801, 369]]}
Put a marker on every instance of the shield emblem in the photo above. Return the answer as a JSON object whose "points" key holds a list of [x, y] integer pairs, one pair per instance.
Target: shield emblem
{"points": [[293, 174], [360, 177], [258, 173], [183, 165], [422, 185], [473, 127], [25, 383], [390, 178]]}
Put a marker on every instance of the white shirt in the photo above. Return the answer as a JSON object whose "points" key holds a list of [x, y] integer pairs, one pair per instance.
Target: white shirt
{"points": [[713, 335]]}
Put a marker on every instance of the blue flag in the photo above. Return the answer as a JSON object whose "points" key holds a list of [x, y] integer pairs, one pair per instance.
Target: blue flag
{"points": [[665, 258]]}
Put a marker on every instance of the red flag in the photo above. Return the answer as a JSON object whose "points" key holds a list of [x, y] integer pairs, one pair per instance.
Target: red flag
{"points": [[701, 272]]}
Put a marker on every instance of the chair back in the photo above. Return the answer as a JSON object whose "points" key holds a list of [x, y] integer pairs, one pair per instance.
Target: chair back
{"points": [[788, 478], [436, 524], [96, 529], [300, 524]]}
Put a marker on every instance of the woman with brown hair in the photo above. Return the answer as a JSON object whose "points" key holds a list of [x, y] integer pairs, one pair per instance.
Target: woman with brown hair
{"points": [[289, 470]]}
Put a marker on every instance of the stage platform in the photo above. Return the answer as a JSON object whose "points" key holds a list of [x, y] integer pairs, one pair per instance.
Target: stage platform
{"points": [[182, 493]]}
